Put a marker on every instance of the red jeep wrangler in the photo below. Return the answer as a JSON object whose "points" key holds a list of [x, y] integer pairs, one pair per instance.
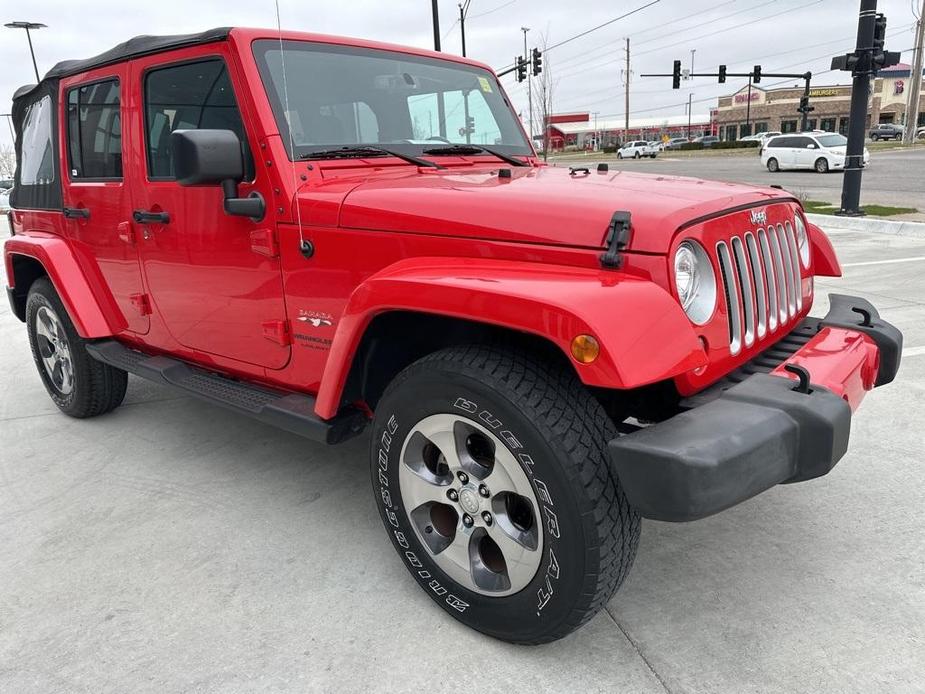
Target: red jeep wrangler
{"points": [[326, 233]]}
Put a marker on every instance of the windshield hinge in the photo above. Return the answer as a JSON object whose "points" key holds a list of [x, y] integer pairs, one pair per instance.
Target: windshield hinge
{"points": [[618, 238]]}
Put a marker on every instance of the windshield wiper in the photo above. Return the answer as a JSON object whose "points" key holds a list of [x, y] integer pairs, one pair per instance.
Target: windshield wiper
{"points": [[475, 149], [359, 151]]}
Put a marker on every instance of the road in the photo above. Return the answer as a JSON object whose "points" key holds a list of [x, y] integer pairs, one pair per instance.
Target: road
{"points": [[173, 546], [894, 177]]}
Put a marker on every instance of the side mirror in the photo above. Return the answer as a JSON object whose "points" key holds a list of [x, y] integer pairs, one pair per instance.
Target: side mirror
{"points": [[214, 157]]}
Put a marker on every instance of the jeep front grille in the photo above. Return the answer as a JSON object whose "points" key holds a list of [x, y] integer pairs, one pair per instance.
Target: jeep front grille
{"points": [[762, 285]]}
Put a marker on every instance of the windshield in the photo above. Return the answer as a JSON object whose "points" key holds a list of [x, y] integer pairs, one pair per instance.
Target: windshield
{"points": [[346, 96], [832, 140]]}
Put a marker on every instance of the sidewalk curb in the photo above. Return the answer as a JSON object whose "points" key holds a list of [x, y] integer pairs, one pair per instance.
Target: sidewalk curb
{"points": [[870, 224]]}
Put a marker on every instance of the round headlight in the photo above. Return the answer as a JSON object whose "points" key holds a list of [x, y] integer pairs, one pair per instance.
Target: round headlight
{"points": [[802, 240], [695, 281]]}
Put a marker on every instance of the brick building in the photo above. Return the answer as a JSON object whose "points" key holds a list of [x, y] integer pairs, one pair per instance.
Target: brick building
{"points": [[776, 109]]}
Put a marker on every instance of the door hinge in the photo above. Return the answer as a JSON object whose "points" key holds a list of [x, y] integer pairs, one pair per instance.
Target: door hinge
{"points": [[278, 331], [141, 303], [263, 242], [126, 233], [618, 238]]}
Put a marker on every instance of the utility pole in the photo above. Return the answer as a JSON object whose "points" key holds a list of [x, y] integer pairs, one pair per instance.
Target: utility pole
{"points": [[463, 10], [436, 13], [868, 58], [915, 82], [626, 105], [690, 103], [529, 84]]}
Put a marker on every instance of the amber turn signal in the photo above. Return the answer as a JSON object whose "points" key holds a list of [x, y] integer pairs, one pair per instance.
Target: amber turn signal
{"points": [[585, 349]]}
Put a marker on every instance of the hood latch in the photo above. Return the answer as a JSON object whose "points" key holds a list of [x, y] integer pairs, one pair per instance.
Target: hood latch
{"points": [[618, 238]]}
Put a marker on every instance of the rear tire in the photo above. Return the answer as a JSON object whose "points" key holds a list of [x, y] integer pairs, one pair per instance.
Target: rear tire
{"points": [[822, 165], [874, 138], [500, 410], [78, 384], [773, 166]]}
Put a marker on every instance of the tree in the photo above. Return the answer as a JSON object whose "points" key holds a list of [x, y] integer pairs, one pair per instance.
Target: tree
{"points": [[7, 162]]}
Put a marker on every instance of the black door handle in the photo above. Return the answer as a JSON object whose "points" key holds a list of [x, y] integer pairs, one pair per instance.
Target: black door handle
{"points": [[76, 213], [147, 217]]}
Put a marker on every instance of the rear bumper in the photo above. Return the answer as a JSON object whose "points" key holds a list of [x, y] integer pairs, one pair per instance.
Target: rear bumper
{"points": [[765, 430]]}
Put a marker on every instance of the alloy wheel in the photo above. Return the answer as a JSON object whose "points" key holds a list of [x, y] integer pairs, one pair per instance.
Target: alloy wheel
{"points": [[471, 504], [54, 350]]}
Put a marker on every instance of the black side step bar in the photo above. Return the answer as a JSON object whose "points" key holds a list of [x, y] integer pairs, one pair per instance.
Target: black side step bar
{"points": [[289, 411]]}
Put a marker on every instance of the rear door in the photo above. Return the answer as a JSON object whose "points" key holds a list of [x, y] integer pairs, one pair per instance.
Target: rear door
{"points": [[212, 278], [95, 195]]}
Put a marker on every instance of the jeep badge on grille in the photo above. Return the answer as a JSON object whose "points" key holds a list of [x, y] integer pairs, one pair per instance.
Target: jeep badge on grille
{"points": [[759, 217]]}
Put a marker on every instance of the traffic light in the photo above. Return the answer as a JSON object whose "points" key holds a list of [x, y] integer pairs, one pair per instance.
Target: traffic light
{"points": [[879, 34], [804, 105], [722, 74], [521, 63], [676, 75], [756, 74], [537, 62], [470, 124]]}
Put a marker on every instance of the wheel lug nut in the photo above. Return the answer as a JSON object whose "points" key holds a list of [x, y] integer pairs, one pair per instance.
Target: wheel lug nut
{"points": [[452, 495], [463, 477], [483, 490], [467, 520], [486, 516]]}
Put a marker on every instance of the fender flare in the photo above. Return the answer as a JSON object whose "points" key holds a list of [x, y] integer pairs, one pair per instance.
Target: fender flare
{"points": [[825, 260], [89, 303], [644, 334]]}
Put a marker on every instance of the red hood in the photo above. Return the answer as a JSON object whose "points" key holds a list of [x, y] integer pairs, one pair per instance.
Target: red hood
{"points": [[536, 205]]}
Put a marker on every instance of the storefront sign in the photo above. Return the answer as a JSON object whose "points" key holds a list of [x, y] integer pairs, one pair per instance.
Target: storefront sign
{"points": [[823, 92], [743, 98]]}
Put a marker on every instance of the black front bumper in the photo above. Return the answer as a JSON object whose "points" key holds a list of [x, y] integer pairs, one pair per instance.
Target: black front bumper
{"points": [[749, 436]]}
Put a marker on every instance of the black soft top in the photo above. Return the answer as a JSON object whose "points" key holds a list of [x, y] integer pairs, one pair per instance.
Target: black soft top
{"points": [[133, 48]]}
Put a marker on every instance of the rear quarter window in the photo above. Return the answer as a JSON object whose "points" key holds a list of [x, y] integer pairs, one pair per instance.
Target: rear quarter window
{"points": [[37, 162]]}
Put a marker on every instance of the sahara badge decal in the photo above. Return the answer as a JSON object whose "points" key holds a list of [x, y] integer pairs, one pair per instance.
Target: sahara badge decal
{"points": [[312, 320]]}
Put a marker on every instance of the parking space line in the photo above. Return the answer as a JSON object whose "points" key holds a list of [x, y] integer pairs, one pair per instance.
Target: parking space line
{"points": [[913, 351], [886, 262]]}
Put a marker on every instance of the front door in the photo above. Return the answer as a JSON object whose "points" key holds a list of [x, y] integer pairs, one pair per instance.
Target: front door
{"points": [[96, 200], [215, 289]]}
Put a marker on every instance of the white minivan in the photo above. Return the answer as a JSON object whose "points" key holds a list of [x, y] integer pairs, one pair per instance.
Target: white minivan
{"points": [[822, 152]]}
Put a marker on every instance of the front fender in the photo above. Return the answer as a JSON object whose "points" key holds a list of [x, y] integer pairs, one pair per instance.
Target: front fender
{"points": [[88, 301], [825, 261], [644, 335]]}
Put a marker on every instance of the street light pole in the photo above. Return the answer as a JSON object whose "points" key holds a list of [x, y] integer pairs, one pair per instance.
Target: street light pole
{"points": [[915, 86], [463, 10], [529, 84], [435, 11], [28, 26]]}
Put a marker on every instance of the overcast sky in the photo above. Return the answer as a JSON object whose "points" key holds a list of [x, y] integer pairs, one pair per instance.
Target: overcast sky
{"points": [[781, 35]]}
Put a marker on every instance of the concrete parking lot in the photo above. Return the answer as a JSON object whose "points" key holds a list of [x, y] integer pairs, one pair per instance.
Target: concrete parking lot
{"points": [[172, 546], [894, 177]]}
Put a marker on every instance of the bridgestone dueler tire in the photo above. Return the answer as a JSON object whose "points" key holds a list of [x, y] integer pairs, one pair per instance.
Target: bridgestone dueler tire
{"points": [[590, 533], [98, 388]]}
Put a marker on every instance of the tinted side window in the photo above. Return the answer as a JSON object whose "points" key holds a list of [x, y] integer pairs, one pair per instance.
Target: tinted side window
{"points": [[189, 96], [37, 162], [802, 142], [779, 142], [94, 131]]}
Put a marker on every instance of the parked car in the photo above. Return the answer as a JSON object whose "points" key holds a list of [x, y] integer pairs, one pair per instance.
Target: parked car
{"points": [[5, 199], [920, 133], [676, 142], [820, 152], [501, 327], [886, 131], [707, 140], [752, 138], [658, 145], [637, 149]]}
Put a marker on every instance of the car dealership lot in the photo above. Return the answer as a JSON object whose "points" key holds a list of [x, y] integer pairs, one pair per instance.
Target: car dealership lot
{"points": [[894, 177], [173, 546]]}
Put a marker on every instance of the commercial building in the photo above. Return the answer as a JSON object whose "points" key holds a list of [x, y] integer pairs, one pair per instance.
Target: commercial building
{"points": [[758, 110], [583, 130]]}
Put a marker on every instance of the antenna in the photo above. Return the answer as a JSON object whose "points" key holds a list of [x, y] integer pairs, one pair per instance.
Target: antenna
{"points": [[303, 244]]}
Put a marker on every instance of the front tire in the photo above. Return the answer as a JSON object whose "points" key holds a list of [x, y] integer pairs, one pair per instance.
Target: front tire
{"points": [[476, 430], [822, 165], [636, 155], [619, 155], [78, 384], [773, 166]]}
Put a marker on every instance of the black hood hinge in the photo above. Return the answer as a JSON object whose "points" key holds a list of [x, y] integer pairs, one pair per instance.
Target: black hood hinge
{"points": [[618, 238]]}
